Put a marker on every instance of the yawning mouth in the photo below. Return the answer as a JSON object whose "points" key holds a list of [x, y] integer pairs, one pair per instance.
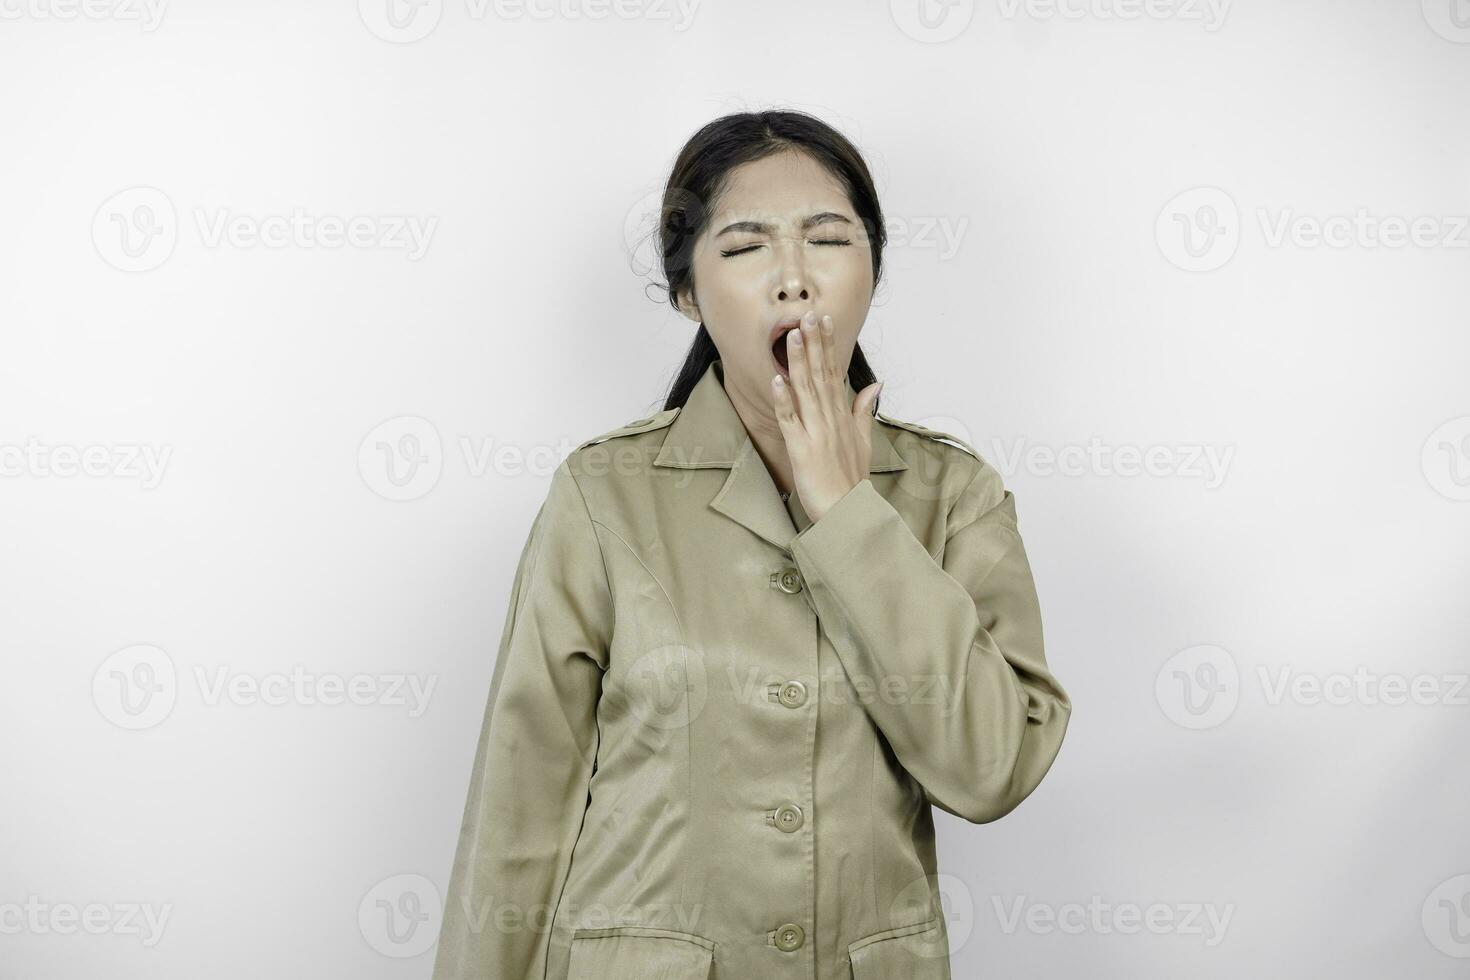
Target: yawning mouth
{"points": [[778, 344], [778, 351]]}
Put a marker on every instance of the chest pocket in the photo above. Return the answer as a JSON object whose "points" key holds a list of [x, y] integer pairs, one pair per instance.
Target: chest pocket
{"points": [[639, 953], [916, 952]]}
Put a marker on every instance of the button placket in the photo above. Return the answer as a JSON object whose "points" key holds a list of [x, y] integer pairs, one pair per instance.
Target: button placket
{"points": [[789, 818]]}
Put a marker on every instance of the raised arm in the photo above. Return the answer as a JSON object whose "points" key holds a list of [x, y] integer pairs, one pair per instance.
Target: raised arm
{"points": [[967, 628]]}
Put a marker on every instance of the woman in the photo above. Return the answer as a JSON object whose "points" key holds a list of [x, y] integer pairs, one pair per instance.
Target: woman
{"points": [[753, 637]]}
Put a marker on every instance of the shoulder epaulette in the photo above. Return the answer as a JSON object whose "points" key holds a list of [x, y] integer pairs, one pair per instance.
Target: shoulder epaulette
{"points": [[928, 433], [656, 421]]}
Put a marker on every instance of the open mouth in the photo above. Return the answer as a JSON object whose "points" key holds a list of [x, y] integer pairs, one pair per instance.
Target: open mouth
{"points": [[778, 350]]}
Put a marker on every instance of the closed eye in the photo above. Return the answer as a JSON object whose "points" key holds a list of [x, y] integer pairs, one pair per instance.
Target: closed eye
{"points": [[818, 241]]}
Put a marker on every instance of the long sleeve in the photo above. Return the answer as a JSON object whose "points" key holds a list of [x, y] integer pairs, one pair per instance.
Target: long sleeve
{"points": [[538, 743], [986, 731]]}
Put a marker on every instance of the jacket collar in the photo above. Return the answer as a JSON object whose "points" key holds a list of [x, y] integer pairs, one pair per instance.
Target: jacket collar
{"points": [[708, 434]]}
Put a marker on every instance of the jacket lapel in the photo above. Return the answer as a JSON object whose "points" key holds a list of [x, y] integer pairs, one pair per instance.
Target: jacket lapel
{"points": [[708, 434]]}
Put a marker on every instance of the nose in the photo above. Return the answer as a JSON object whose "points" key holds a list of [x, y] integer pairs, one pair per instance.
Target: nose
{"points": [[793, 288], [792, 281]]}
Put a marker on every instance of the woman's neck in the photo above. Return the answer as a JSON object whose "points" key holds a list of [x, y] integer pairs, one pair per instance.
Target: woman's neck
{"points": [[765, 435]]}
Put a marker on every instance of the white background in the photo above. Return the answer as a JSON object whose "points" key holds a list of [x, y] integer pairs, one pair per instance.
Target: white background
{"points": [[1040, 167]]}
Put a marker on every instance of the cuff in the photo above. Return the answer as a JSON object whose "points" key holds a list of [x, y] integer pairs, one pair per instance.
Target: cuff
{"points": [[846, 529]]}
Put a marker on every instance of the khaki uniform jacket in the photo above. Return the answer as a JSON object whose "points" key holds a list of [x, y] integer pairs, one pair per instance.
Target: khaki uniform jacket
{"points": [[715, 728]]}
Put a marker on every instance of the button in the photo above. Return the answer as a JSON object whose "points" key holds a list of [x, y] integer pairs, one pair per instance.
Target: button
{"points": [[789, 936], [792, 694], [788, 580], [788, 819]]}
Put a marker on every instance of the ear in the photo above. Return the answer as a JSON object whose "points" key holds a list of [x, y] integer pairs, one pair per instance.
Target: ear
{"points": [[687, 304]]}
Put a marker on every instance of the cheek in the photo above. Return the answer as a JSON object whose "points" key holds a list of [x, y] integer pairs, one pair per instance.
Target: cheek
{"points": [[729, 301], [860, 268], [725, 284], [846, 278]]}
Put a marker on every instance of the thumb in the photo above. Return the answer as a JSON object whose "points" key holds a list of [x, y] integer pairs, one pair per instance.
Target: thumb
{"points": [[863, 404]]}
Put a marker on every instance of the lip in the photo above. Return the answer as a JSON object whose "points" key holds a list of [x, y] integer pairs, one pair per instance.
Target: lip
{"points": [[780, 326]]}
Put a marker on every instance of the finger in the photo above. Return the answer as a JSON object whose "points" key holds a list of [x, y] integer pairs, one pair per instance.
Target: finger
{"points": [[801, 383], [863, 418], [863, 404], [785, 407], [816, 357], [832, 388], [823, 404]]}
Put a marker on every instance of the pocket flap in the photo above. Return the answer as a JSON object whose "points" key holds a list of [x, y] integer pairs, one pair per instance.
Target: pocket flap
{"points": [[917, 952], [639, 953]]}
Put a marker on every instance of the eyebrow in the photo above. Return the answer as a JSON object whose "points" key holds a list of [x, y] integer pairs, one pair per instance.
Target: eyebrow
{"points": [[760, 228]]}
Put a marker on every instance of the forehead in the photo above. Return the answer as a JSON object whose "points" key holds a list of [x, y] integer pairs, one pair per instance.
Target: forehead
{"points": [[782, 187]]}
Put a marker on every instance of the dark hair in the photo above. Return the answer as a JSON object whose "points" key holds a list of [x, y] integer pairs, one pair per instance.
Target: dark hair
{"points": [[698, 178]]}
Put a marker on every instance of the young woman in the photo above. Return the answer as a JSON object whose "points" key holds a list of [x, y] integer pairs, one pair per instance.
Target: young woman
{"points": [[755, 636]]}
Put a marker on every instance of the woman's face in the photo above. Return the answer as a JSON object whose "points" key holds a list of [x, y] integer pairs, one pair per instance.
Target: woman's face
{"points": [[783, 239]]}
